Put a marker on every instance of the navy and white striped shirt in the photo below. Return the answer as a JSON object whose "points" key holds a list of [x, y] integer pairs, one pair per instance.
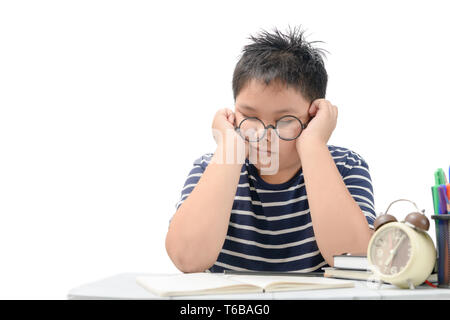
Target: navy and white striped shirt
{"points": [[270, 226]]}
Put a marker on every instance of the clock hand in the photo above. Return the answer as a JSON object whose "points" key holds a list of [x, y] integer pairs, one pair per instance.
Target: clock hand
{"points": [[394, 251]]}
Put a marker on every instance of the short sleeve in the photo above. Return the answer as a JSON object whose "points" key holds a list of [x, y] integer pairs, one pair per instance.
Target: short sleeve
{"points": [[193, 177], [356, 176]]}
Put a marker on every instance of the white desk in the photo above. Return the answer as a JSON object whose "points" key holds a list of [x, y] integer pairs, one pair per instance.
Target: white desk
{"points": [[124, 286]]}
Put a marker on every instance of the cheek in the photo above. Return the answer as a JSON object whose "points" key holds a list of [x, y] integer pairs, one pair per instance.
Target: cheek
{"points": [[287, 148]]}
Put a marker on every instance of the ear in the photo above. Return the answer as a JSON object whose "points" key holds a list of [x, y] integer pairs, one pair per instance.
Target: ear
{"points": [[313, 109]]}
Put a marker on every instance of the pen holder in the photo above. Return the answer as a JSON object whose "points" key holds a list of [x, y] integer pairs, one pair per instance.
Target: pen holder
{"points": [[443, 248]]}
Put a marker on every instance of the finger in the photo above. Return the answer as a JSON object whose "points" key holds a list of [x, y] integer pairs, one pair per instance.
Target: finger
{"points": [[223, 112], [232, 118], [333, 109], [229, 118], [228, 112], [319, 104]]}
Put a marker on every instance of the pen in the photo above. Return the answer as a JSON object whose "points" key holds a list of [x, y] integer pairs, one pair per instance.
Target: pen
{"points": [[447, 193], [435, 194], [443, 176], [274, 273], [439, 177], [443, 199]]}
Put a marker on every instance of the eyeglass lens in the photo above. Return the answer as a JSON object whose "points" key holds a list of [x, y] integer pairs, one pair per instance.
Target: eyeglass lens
{"points": [[288, 128]]}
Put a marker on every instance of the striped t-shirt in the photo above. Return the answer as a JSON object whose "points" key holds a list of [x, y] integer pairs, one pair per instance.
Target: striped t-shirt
{"points": [[270, 226]]}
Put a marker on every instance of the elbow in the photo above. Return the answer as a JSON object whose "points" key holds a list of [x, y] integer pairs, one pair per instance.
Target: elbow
{"points": [[355, 243], [184, 258], [360, 243], [363, 240]]}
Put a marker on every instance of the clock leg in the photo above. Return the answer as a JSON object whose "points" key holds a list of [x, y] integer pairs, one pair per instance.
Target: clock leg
{"points": [[410, 284]]}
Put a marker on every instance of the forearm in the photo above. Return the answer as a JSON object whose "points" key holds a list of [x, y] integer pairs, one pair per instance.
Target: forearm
{"points": [[198, 229], [338, 222]]}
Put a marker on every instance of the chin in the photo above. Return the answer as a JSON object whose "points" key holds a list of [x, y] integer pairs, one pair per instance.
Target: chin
{"points": [[268, 164]]}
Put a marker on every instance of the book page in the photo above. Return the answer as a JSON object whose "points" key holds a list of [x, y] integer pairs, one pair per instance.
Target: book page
{"points": [[295, 282], [190, 283]]}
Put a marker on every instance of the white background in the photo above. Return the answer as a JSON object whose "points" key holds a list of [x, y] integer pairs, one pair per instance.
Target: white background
{"points": [[104, 106]]}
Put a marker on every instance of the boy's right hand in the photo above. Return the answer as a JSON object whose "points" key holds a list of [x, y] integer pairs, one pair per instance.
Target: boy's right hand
{"points": [[224, 132]]}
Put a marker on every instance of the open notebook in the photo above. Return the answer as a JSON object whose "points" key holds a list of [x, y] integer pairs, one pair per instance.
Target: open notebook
{"points": [[201, 283]]}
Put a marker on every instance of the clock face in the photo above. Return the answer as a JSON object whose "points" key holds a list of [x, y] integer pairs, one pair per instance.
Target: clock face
{"points": [[391, 251]]}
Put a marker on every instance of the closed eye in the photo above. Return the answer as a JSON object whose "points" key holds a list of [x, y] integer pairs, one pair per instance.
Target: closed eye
{"points": [[285, 123]]}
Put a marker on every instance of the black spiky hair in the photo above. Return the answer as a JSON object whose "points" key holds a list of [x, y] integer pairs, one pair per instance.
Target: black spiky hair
{"points": [[284, 57]]}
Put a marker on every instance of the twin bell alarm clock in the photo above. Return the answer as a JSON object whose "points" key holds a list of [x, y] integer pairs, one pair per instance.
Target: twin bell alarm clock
{"points": [[402, 253]]}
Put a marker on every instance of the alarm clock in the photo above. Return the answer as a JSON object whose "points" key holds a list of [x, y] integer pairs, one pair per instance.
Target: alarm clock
{"points": [[402, 253]]}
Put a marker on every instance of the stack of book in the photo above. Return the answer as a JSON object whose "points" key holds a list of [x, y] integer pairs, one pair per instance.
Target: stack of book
{"points": [[355, 267], [348, 266]]}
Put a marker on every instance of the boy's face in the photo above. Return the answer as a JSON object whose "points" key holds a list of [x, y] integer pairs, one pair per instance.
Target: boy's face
{"points": [[270, 103]]}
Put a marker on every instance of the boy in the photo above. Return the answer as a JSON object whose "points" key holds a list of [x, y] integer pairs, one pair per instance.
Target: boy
{"points": [[316, 203]]}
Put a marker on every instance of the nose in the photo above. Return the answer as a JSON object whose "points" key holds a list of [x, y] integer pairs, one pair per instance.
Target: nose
{"points": [[268, 136], [270, 132]]}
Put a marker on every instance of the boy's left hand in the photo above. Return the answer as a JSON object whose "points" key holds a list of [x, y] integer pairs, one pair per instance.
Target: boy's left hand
{"points": [[321, 125]]}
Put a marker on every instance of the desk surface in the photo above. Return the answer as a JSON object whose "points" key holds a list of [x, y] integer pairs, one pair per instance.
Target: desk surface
{"points": [[124, 286]]}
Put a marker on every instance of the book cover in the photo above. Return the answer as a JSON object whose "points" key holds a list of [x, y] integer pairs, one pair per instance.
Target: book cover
{"points": [[351, 262]]}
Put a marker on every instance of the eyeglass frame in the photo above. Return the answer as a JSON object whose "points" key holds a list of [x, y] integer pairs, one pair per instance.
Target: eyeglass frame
{"points": [[303, 126]]}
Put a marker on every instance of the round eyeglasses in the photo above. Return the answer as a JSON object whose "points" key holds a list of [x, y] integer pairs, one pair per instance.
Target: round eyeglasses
{"points": [[287, 128]]}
